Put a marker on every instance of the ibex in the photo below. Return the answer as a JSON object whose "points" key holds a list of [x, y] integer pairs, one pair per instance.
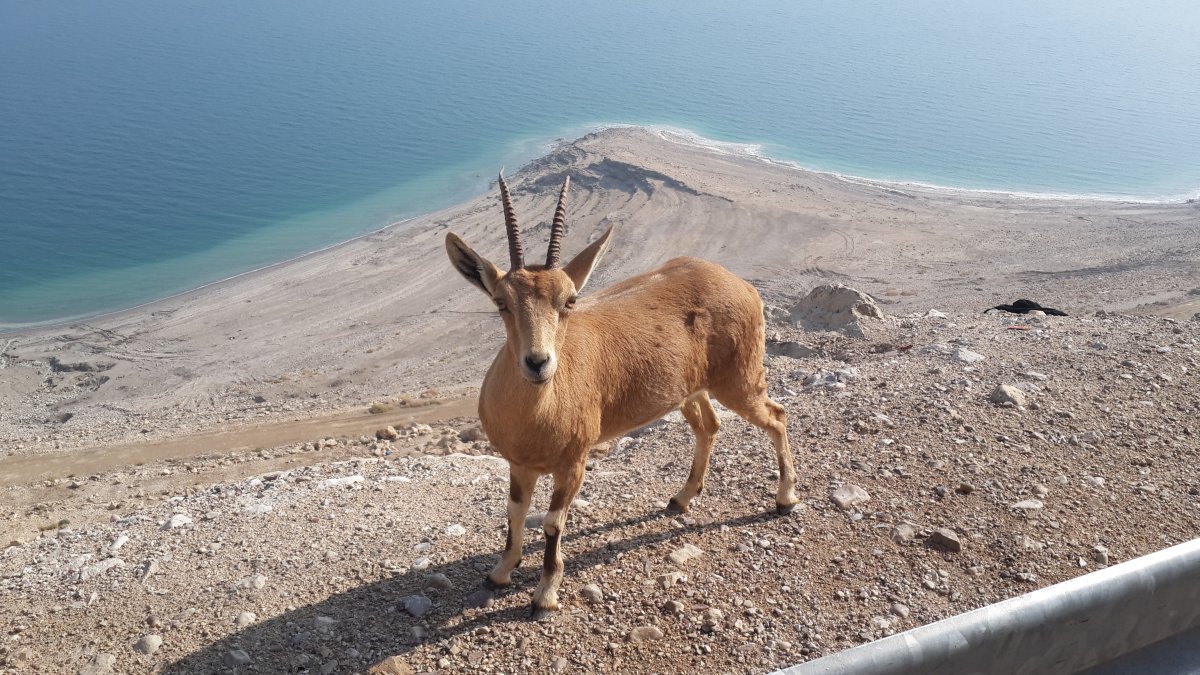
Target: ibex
{"points": [[577, 371]]}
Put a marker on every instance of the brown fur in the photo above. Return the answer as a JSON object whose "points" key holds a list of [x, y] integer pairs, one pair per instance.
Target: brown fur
{"points": [[617, 360]]}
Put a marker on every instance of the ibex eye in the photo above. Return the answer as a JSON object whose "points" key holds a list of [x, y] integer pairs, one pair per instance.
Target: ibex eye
{"points": [[500, 304]]}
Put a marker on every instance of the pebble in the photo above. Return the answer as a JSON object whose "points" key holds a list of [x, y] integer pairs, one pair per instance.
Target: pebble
{"points": [[245, 619], [324, 623], [967, 356], [417, 605], [900, 609], [1007, 394], [423, 548], [439, 581], [392, 665], [176, 521], [1028, 505], [670, 579], [903, 533], [116, 545], [592, 594], [254, 581], [849, 496], [456, 530], [645, 634], [945, 538], [673, 607], [100, 664], [421, 564], [148, 644], [559, 664], [1100, 555], [236, 657], [682, 555], [92, 571], [340, 481], [481, 599], [1040, 491]]}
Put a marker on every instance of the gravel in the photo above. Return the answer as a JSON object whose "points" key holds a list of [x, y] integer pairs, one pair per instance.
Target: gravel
{"points": [[1085, 471]]}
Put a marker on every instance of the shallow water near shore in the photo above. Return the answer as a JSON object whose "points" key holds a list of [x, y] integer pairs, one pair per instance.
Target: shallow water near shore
{"points": [[150, 148]]}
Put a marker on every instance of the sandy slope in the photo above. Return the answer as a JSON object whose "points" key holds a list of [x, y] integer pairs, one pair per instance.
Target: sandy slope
{"points": [[385, 315]]}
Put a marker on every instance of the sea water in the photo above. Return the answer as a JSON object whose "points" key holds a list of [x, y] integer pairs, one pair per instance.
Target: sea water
{"points": [[149, 147]]}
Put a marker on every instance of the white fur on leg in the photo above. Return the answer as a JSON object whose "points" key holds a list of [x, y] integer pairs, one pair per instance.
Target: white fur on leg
{"points": [[501, 574]]}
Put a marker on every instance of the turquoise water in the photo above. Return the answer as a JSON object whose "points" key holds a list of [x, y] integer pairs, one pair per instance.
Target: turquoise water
{"points": [[149, 147]]}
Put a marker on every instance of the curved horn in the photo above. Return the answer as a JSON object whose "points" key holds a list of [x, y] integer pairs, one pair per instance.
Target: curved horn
{"points": [[515, 255], [556, 229]]}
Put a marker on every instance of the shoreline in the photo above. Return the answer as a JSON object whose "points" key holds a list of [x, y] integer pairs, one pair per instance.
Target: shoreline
{"points": [[382, 316], [672, 134]]}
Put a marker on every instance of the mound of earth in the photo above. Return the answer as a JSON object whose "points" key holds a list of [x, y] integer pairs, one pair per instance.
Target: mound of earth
{"points": [[837, 308]]}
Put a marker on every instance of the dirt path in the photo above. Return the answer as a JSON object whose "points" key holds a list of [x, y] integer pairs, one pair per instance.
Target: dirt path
{"points": [[21, 470]]}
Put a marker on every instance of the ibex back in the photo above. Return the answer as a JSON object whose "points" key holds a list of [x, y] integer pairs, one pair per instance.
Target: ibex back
{"points": [[577, 371]]}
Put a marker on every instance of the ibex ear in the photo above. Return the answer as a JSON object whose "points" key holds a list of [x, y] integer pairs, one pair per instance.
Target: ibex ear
{"points": [[475, 268], [580, 268]]}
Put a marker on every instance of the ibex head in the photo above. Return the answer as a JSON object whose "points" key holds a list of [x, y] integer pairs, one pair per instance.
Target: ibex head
{"points": [[535, 301]]}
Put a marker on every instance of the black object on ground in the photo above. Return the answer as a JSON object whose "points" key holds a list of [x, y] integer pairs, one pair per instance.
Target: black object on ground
{"points": [[1025, 307]]}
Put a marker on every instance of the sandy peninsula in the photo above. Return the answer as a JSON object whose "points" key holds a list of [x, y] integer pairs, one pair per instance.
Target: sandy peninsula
{"points": [[198, 486]]}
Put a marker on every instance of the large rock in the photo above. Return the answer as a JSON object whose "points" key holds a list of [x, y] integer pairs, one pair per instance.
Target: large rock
{"points": [[837, 308]]}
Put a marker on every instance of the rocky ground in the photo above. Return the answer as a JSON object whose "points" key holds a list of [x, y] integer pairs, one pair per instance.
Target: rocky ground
{"points": [[946, 462]]}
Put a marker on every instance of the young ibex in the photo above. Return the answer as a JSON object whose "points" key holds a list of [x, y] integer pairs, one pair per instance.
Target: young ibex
{"points": [[577, 371]]}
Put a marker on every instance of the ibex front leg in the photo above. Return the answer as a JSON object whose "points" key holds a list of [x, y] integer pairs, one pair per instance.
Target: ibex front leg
{"points": [[521, 483], [566, 486]]}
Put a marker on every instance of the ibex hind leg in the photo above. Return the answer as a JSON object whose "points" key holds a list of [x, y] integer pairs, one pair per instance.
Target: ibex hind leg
{"points": [[700, 415], [755, 407]]}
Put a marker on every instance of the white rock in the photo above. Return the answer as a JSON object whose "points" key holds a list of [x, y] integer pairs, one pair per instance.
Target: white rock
{"points": [[254, 581], [967, 356], [1004, 393], [456, 530], [592, 594], [176, 521], [340, 481], [148, 644], [92, 571], [682, 555], [849, 496], [116, 545], [1028, 505], [245, 619]]}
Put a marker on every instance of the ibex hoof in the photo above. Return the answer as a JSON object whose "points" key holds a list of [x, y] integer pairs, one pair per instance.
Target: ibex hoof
{"points": [[490, 585], [784, 509], [674, 506], [540, 613]]}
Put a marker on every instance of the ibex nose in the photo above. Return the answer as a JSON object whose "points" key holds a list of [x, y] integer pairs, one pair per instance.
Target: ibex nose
{"points": [[535, 362]]}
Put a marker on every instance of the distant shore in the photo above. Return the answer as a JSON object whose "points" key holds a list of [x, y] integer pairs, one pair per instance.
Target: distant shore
{"points": [[671, 134], [383, 315]]}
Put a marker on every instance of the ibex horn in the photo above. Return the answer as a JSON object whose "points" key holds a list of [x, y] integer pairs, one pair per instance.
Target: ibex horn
{"points": [[556, 229], [515, 255]]}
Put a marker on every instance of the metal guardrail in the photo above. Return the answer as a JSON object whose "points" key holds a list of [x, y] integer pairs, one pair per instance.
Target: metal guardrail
{"points": [[1141, 612]]}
